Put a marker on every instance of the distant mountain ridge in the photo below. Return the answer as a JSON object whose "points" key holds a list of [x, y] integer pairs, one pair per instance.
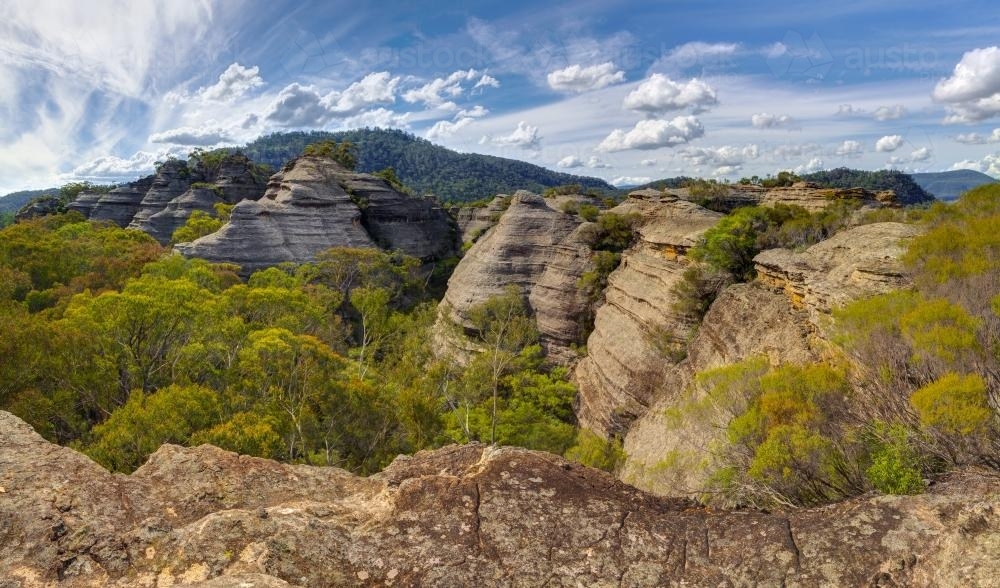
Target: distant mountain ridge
{"points": [[950, 185], [907, 189], [423, 166], [15, 200]]}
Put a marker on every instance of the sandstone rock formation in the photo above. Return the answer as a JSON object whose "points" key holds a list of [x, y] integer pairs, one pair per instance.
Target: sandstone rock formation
{"points": [[314, 204], [474, 221], [860, 261], [119, 205], [459, 516], [172, 179], [624, 366], [161, 225], [43, 206], [782, 317], [161, 203], [538, 248]]}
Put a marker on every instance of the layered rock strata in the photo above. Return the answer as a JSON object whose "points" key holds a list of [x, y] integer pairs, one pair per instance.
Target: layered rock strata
{"points": [[628, 351], [314, 204], [541, 250], [783, 317]]}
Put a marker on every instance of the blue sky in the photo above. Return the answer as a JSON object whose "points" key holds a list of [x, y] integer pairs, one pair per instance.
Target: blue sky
{"points": [[626, 91]]}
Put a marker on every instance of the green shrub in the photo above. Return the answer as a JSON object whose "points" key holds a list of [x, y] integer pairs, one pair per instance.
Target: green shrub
{"points": [[589, 212], [895, 463], [594, 451]]}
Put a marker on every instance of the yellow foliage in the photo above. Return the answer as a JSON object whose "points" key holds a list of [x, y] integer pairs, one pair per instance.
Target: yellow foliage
{"points": [[954, 404]]}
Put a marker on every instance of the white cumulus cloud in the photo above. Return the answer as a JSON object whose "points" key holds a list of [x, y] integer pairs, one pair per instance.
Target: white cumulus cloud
{"points": [[990, 164], [727, 155], [659, 94], [630, 181], [978, 139], [437, 91], [896, 111], [653, 134], [297, 105], [203, 136], [525, 136], [850, 148], [972, 92], [764, 120], [111, 167], [889, 143], [813, 165], [233, 83], [570, 161], [577, 78]]}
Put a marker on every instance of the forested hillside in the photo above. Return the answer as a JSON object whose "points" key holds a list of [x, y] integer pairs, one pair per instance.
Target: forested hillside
{"points": [[907, 190], [423, 166]]}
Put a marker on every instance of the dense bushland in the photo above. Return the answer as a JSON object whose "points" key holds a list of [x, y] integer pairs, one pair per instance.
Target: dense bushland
{"points": [[113, 345]]}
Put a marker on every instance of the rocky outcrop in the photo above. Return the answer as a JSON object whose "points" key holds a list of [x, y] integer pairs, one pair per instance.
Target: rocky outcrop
{"points": [[237, 178], [38, 207], [537, 248], [459, 516], [857, 262], [398, 222], [172, 179], [625, 361], [782, 317], [119, 205], [474, 221], [314, 204], [161, 225], [672, 456]]}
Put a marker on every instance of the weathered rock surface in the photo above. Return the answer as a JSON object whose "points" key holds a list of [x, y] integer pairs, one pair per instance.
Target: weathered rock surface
{"points": [[459, 516], [314, 204], [624, 365], [671, 456], [782, 317], [119, 205], [474, 221], [161, 225], [537, 248], [172, 179], [43, 206], [860, 261]]}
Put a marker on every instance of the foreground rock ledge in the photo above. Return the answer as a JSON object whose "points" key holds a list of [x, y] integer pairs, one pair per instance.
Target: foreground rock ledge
{"points": [[459, 516]]}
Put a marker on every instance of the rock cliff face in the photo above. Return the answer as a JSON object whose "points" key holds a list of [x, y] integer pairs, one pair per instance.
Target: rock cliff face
{"points": [[474, 221], [119, 205], [459, 516], [172, 179], [853, 263], [314, 204], [624, 364], [782, 317], [161, 203], [541, 250]]}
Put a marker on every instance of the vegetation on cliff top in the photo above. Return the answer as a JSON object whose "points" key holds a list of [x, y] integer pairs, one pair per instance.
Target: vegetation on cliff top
{"points": [[914, 392]]}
